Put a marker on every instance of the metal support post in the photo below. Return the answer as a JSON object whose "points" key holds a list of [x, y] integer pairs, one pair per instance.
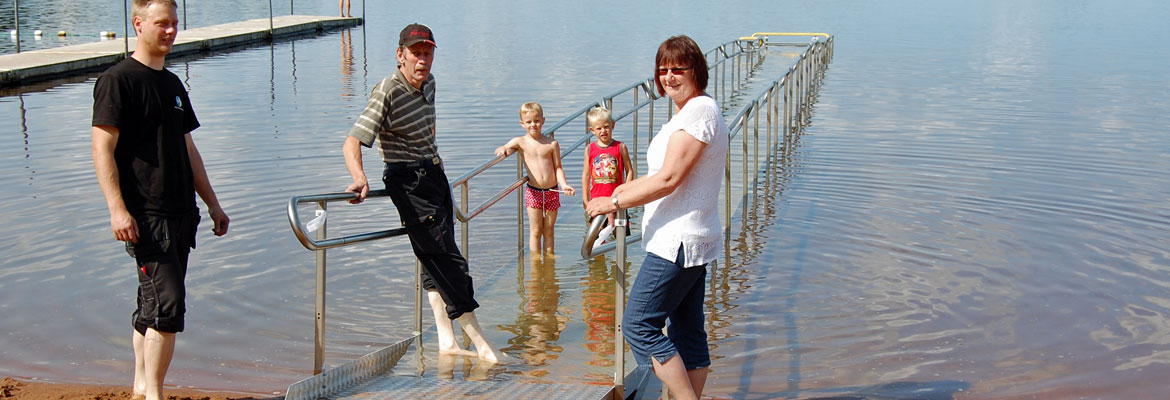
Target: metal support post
{"points": [[418, 298], [619, 295], [319, 304], [634, 156], [520, 203], [465, 227]]}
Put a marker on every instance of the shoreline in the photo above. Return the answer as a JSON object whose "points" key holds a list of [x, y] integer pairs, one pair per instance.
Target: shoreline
{"points": [[13, 388]]}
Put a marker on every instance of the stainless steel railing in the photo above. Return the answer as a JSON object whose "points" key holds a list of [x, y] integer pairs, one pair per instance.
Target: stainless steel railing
{"points": [[320, 244], [784, 104]]}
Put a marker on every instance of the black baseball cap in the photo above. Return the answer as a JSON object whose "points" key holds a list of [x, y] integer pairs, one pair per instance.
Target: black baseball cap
{"points": [[416, 33]]}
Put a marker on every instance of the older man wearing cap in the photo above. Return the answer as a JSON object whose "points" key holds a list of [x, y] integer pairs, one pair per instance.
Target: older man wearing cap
{"points": [[400, 115]]}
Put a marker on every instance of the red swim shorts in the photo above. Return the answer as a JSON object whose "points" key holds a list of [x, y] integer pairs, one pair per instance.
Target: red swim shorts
{"points": [[541, 199]]}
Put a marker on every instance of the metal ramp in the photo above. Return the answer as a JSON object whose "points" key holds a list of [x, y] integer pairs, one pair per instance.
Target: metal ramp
{"points": [[373, 377], [435, 388]]}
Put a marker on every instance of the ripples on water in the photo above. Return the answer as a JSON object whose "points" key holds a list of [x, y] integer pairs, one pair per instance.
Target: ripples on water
{"points": [[978, 206]]}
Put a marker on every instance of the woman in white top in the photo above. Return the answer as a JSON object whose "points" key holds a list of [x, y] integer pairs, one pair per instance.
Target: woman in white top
{"points": [[681, 230]]}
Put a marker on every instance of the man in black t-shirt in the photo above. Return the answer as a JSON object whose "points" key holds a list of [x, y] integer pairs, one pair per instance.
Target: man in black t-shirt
{"points": [[150, 171]]}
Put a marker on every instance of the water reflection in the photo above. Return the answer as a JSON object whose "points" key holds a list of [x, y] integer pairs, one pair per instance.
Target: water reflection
{"points": [[346, 62], [597, 310], [755, 350], [471, 368], [24, 125], [538, 326], [936, 390]]}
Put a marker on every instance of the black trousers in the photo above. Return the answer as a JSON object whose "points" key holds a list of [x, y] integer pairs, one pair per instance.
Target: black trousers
{"points": [[422, 195]]}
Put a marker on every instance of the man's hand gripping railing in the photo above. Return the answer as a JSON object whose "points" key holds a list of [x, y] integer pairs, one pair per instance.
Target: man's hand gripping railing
{"points": [[294, 220]]}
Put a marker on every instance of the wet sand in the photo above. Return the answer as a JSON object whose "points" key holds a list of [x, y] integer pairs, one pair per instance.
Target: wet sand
{"points": [[33, 390]]}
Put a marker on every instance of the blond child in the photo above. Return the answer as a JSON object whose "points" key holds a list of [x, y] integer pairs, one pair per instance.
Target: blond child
{"points": [[607, 164], [542, 159]]}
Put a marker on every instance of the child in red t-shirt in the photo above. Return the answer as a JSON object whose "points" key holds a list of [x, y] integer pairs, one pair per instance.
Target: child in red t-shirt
{"points": [[607, 164]]}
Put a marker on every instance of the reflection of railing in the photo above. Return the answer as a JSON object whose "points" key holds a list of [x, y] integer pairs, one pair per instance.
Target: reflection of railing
{"points": [[785, 104]]}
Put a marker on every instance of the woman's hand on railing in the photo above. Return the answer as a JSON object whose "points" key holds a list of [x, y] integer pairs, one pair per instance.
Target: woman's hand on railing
{"points": [[361, 188], [600, 205]]}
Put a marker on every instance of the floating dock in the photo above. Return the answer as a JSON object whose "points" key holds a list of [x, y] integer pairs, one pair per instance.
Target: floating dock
{"points": [[31, 66]]}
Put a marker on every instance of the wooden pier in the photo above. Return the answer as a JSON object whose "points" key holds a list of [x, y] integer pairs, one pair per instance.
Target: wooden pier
{"points": [[31, 66]]}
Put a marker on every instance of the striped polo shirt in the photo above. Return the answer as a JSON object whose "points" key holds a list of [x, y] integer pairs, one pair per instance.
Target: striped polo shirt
{"points": [[401, 118]]}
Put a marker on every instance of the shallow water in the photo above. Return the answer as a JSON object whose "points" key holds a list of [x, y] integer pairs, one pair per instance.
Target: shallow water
{"points": [[979, 205]]}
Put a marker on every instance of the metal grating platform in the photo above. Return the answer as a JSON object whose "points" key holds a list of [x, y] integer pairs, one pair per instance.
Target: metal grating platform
{"points": [[372, 377], [398, 387]]}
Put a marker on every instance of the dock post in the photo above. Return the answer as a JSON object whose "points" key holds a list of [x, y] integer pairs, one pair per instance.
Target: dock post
{"points": [[126, 30], [16, 9]]}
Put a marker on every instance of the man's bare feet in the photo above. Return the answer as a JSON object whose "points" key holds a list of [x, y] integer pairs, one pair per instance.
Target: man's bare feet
{"points": [[496, 357], [456, 351]]}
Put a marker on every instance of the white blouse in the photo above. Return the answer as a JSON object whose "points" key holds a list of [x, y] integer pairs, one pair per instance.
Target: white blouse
{"points": [[690, 215]]}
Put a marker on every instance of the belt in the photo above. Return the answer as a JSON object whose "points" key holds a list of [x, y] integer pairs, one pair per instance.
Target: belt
{"points": [[418, 163]]}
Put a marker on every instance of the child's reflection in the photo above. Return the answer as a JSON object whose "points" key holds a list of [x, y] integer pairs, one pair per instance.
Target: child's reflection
{"points": [[597, 311], [539, 325]]}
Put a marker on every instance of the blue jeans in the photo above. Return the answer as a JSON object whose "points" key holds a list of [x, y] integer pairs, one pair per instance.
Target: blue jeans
{"points": [[662, 290]]}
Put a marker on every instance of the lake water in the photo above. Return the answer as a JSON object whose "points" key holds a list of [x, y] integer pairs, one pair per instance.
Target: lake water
{"points": [[980, 206]]}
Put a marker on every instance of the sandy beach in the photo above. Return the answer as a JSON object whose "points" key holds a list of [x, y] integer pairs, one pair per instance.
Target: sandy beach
{"points": [[11, 388]]}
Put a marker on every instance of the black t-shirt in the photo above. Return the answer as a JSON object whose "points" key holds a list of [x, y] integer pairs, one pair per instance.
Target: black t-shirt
{"points": [[152, 113]]}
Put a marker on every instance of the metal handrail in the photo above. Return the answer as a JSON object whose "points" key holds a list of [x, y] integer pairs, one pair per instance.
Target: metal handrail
{"points": [[595, 226], [607, 101], [792, 91], [294, 220], [321, 244]]}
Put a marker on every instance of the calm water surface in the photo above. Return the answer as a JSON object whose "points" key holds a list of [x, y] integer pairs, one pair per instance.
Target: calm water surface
{"points": [[979, 208]]}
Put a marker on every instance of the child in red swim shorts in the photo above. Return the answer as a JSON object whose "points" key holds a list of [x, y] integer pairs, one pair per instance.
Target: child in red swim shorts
{"points": [[542, 159]]}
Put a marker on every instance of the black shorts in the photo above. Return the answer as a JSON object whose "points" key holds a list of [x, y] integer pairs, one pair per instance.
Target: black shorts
{"points": [[161, 262], [421, 193]]}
